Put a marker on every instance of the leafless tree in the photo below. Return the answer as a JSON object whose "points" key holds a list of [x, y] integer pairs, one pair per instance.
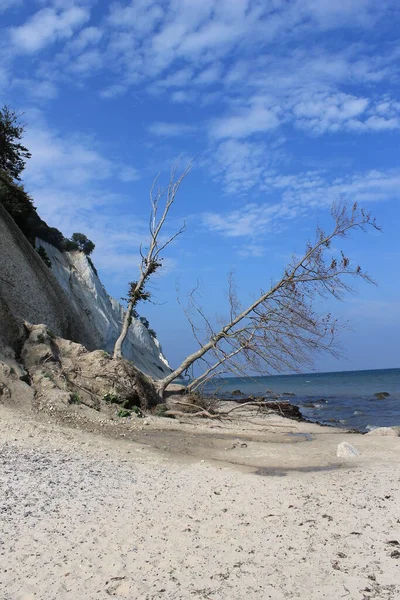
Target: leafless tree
{"points": [[281, 330], [151, 261]]}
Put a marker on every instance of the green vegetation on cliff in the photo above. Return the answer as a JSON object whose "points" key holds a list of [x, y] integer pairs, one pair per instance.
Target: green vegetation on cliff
{"points": [[15, 198]]}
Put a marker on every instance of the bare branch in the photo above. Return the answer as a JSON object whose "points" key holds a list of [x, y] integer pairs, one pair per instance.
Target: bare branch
{"points": [[285, 329], [151, 261]]}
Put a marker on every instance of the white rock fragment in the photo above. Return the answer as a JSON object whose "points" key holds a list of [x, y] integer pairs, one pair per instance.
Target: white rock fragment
{"points": [[385, 431], [346, 450]]}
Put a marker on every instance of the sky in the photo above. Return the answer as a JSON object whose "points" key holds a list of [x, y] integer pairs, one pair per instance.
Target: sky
{"points": [[285, 106]]}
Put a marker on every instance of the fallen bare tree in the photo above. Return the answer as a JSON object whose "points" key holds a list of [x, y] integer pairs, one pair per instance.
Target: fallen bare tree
{"points": [[281, 330]]}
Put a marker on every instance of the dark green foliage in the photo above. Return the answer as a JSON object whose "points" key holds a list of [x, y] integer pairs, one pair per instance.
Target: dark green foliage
{"points": [[83, 243], [124, 403], [20, 207], [13, 154], [123, 413], [69, 246], [16, 200], [75, 398], [92, 265], [145, 322], [111, 398], [147, 325], [137, 411], [44, 256], [41, 339]]}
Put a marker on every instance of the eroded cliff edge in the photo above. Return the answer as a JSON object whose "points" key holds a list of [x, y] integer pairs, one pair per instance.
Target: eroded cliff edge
{"points": [[69, 298]]}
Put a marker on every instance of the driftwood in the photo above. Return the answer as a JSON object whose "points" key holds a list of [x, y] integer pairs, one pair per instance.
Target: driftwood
{"points": [[202, 412]]}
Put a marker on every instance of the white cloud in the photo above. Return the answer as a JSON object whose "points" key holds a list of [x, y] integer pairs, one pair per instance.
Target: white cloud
{"points": [[163, 129], [46, 26], [6, 4], [255, 119], [36, 89], [300, 194], [251, 250], [88, 36], [87, 63], [67, 161], [323, 112]]}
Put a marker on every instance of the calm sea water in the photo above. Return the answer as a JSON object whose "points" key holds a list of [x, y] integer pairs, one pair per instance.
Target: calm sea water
{"points": [[343, 399]]}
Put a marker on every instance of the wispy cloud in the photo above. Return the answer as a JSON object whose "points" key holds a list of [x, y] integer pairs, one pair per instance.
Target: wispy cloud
{"points": [[255, 119], [164, 129], [47, 26], [6, 4], [299, 194]]}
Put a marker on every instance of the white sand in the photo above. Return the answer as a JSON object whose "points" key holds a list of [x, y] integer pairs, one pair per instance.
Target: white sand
{"points": [[89, 517]]}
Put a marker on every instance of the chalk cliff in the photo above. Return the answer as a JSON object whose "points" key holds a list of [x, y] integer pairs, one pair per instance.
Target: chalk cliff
{"points": [[69, 298]]}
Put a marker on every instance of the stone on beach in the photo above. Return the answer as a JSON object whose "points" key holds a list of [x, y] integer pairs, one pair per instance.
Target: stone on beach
{"points": [[346, 450], [386, 431]]}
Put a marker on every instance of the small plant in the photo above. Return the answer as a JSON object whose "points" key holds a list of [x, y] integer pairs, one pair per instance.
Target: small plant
{"points": [[160, 410], [44, 256], [123, 413], [51, 334], [111, 398], [75, 398], [137, 411], [48, 376], [41, 339]]}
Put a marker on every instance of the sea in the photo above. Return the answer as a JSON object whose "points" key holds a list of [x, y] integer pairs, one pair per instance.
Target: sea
{"points": [[341, 399]]}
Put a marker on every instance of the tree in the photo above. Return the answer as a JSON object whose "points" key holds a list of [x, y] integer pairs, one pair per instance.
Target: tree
{"points": [[13, 154], [151, 261], [281, 330], [83, 243]]}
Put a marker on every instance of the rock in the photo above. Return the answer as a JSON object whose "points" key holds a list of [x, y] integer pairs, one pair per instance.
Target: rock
{"points": [[385, 431], [346, 450], [286, 409], [174, 389], [309, 405], [289, 394], [236, 393], [381, 395]]}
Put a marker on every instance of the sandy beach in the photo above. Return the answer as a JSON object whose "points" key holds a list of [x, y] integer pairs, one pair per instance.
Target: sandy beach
{"points": [[170, 511]]}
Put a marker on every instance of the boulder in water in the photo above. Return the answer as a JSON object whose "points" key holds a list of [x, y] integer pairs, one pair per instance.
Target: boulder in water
{"points": [[236, 393], [381, 395], [346, 450], [385, 431]]}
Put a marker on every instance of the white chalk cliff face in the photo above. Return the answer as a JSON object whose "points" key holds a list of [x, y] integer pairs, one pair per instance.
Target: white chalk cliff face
{"points": [[86, 292]]}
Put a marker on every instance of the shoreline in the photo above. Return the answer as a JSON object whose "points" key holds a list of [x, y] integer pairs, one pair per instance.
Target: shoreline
{"points": [[172, 511]]}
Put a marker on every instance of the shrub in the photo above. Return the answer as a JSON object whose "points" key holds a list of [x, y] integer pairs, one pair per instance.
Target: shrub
{"points": [[111, 398], [75, 398], [44, 256], [92, 266], [123, 413]]}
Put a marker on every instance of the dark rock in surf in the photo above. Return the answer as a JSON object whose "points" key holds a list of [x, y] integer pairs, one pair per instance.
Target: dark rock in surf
{"points": [[381, 395]]}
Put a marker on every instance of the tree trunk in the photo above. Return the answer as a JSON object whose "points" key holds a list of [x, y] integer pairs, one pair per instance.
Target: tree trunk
{"points": [[124, 331]]}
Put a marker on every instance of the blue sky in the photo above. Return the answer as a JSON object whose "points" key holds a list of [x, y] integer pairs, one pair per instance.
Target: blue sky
{"points": [[288, 105]]}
